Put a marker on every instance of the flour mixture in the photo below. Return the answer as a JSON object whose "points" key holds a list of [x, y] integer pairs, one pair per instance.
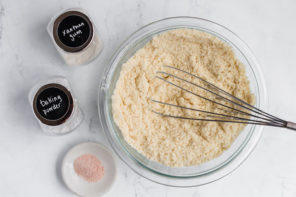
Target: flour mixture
{"points": [[177, 142]]}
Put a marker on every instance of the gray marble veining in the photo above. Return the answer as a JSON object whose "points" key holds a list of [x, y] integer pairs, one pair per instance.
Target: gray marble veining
{"points": [[30, 160]]}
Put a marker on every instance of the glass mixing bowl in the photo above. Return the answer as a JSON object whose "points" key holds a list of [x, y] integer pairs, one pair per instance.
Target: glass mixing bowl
{"points": [[185, 176]]}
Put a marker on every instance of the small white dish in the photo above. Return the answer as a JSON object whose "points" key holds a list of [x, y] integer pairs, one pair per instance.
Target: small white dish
{"points": [[76, 183]]}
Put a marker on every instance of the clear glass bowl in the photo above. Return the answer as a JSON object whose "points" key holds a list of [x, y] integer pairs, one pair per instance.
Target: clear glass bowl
{"points": [[185, 176]]}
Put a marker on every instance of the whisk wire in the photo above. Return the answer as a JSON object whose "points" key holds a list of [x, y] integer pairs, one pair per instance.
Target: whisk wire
{"points": [[213, 120], [224, 92], [261, 117], [207, 112], [210, 100], [196, 85]]}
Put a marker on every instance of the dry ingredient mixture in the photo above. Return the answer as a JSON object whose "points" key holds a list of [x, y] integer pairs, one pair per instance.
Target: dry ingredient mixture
{"points": [[176, 142], [89, 168]]}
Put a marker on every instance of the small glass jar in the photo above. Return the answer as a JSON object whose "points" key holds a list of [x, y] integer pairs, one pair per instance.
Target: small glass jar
{"points": [[54, 106], [75, 36]]}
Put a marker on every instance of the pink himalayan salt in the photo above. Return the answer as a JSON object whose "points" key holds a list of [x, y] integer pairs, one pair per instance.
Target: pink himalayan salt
{"points": [[89, 168]]}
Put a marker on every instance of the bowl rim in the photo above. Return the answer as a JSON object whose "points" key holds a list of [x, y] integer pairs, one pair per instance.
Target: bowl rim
{"points": [[251, 141]]}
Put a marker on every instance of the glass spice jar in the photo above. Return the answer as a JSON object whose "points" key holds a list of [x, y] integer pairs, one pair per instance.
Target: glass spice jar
{"points": [[54, 106], [75, 36]]}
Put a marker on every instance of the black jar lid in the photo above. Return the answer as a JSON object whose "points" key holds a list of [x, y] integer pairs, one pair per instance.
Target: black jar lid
{"points": [[53, 104], [72, 31]]}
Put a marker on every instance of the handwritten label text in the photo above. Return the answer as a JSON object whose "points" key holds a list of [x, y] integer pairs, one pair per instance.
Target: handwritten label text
{"points": [[73, 31], [51, 103]]}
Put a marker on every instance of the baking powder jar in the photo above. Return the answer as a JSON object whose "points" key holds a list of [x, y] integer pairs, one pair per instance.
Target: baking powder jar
{"points": [[54, 106]]}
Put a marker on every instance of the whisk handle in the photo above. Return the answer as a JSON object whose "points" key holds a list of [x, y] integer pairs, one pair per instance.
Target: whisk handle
{"points": [[291, 125]]}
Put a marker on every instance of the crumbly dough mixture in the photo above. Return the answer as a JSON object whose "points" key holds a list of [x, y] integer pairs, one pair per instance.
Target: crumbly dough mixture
{"points": [[177, 142]]}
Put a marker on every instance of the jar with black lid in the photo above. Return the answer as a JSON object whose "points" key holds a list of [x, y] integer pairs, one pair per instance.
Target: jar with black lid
{"points": [[75, 36], [54, 106]]}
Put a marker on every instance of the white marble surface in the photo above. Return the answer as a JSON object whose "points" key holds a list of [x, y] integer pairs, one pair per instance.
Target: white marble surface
{"points": [[30, 160]]}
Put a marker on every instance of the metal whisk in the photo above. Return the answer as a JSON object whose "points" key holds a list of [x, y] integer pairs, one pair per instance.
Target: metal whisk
{"points": [[229, 108]]}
